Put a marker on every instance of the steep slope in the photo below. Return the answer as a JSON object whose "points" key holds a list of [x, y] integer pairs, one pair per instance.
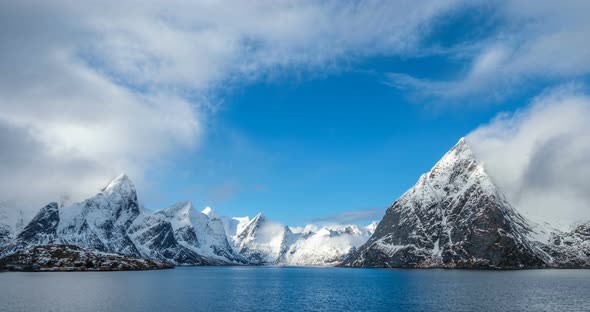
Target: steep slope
{"points": [[11, 223], [327, 245], [155, 239], [453, 217], [263, 242], [42, 230], [201, 232], [101, 222], [569, 249], [6, 230]]}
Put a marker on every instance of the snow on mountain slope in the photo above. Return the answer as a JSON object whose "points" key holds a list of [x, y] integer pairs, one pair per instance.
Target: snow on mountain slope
{"points": [[453, 217], [101, 222], [265, 242], [12, 222], [112, 221], [155, 238], [202, 232], [568, 249], [261, 241], [42, 230], [326, 246]]}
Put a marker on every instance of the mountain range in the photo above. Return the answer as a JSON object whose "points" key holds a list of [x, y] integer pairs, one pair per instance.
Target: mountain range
{"points": [[113, 222], [453, 217]]}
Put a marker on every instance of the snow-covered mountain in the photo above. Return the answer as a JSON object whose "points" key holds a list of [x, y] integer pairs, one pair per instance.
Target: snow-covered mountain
{"points": [[327, 245], [455, 217], [101, 222], [112, 221], [261, 241], [12, 222]]}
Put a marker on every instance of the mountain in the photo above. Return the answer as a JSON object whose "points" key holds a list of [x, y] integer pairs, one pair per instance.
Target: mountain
{"points": [[327, 245], [42, 230], [201, 232], [264, 242], [570, 249], [112, 222], [261, 241], [11, 223], [101, 222], [453, 217]]}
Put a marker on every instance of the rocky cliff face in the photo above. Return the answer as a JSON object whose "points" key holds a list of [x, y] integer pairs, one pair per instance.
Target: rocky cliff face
{"points": [[454, 217]]}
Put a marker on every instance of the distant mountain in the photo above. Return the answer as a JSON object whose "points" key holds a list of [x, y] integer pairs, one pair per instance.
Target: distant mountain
{"points": [[456, 217], [112, 222], [261, 241], [11, 223]]}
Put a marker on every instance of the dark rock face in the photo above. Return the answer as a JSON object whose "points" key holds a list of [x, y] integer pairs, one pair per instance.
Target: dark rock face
{"points": [[74, 258], [157, 240], [42, 230], [454, 217]]}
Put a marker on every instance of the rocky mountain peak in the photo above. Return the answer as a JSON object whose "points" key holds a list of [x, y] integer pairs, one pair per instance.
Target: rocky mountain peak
{"points": [[120, 184], [208, 211], [180, 210], [454, 216]]}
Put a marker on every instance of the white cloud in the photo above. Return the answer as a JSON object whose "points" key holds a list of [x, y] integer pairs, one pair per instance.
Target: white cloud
{"points": [[540, 156], [88, 90], [543, 40]]}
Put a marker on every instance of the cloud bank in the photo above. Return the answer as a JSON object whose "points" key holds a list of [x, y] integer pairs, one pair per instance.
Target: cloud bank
{"points": [[540, 156], [89, 90]]}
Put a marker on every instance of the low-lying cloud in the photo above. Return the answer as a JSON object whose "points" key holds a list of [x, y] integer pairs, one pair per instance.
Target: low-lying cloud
{"points": [[540, 156]]}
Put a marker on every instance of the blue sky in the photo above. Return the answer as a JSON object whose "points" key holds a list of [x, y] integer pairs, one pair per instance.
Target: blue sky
{"points": [[301, 150], [307, 111]]}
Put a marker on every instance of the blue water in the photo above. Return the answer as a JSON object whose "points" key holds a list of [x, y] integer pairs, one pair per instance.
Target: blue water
{"points": [[297, 289]]}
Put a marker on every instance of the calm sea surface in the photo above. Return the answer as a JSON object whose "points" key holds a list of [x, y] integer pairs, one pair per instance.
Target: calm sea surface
{"points": [[297, 289]]}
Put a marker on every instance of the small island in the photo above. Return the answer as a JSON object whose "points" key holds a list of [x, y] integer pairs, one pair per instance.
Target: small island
{"points": [[64, 258]]}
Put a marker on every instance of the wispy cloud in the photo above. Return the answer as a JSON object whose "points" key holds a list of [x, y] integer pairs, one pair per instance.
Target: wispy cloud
{"points": [[541, 40], [352, 216]]}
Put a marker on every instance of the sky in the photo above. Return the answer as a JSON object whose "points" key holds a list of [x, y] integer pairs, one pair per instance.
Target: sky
{"points": [[307, 111]]}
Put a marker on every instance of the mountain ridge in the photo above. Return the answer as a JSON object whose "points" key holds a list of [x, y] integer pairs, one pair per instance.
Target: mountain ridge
{"points": [[453, 217]]}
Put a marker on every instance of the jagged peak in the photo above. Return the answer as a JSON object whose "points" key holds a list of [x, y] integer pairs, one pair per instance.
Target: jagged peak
{"points": [[208, 211], [253, 224], [51, 206], [120, 183], [459, 157], [179, 207], [258, 218]]}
